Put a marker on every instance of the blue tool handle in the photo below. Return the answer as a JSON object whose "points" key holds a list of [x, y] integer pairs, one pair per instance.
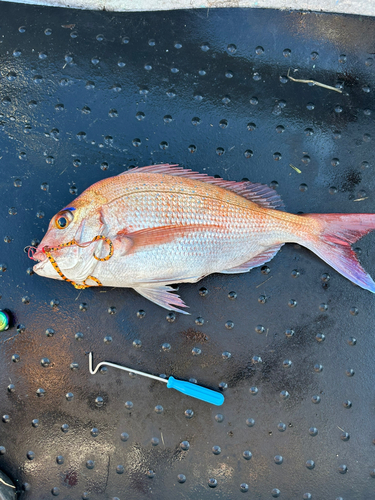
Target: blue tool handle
{"points": [[196, 391]]}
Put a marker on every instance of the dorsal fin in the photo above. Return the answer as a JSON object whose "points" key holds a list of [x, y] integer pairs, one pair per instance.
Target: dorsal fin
{"points": [[261, 194]]}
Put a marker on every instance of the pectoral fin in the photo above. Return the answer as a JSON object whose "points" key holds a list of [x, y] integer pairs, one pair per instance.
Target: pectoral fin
{"points": [[129, 242], [161, 295]]}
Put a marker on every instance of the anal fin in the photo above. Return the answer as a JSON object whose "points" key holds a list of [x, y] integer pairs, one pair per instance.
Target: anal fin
{"points": [[256, 261], [161, 295]]}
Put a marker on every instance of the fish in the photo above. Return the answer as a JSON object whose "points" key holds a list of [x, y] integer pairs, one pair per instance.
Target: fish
{"points": [[151, 227]]}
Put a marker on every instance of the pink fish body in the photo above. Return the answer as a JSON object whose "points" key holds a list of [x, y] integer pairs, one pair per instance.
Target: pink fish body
{"points": [[169, 225]]}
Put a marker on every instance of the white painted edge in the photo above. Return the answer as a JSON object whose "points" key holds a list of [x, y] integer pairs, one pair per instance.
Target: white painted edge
{"points": [[360, 7]]}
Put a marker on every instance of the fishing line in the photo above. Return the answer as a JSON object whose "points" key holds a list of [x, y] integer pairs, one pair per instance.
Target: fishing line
{"points": [[48, 250]]}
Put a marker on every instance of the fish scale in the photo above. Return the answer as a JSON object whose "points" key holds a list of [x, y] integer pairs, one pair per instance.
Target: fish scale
{"points": [[170, 225]]}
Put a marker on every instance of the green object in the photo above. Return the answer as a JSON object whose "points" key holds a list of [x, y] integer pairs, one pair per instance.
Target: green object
{"points": [[4, 321]]}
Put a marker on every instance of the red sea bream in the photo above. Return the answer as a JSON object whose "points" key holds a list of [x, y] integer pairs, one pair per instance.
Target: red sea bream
{"points": [[163, 224]]}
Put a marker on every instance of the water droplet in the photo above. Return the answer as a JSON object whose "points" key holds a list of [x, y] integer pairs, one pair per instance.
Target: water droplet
{"points": [[129, 405], [212, 483], [260, 329], [220, 151], [158, 409], [137, 343], [345, 436], [178, 45], [250, 422], [343, 469], [205, 47], [45, 362], [136, 142], [181, 478], [287, 52], [171, 317], [259, 50], [248, 153], [310, 464], [69, 396], [310, 106], [278, 459], [244, 487], [124, 436], [281, 427], [81, 136], [342, 59], [219, 417], [254, 101], [164, 145], [141, 314]]}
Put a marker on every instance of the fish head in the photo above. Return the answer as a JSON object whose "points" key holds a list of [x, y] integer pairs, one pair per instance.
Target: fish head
{"points": [[69, 240]]}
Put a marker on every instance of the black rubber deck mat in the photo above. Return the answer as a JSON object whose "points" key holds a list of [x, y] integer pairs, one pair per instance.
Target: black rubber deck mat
{"points": [[86, 95]]}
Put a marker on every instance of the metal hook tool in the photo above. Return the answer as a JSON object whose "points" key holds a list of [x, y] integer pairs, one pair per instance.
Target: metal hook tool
{"points": [[193, 390]]}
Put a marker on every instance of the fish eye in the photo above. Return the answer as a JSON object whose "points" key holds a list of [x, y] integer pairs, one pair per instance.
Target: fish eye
{"points": [[63, 219]]}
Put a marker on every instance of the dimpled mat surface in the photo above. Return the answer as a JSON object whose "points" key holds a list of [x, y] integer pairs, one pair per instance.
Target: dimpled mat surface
{"points": [[86, 95]]}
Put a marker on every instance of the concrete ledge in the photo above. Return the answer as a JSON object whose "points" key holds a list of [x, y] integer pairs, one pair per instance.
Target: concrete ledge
{"points": [[360, 7]]}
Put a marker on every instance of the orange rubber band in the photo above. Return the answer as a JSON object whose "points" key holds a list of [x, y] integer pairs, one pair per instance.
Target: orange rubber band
{"points": [[48, 251]]}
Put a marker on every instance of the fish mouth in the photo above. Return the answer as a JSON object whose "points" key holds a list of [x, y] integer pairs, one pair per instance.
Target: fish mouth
{"points": [[41, 258]]}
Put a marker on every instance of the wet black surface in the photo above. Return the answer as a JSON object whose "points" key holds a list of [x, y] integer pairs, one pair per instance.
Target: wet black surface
{"points": [[87, 95]]}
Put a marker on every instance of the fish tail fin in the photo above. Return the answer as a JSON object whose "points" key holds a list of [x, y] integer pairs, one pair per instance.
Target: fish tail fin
{"points": [[333, 244]]}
